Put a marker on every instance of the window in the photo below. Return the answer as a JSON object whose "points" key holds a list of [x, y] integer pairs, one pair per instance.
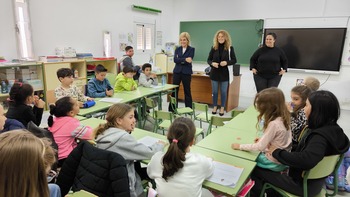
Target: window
{"points": [[144, 37], [23, 30]]}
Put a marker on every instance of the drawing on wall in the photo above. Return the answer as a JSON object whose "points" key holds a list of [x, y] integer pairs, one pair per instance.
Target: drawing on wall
{"points": [[130, 39], [122, 46], [123, 41]]}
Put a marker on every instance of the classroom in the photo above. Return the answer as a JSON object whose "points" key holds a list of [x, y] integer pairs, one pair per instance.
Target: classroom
{"points": [[104, 28]]}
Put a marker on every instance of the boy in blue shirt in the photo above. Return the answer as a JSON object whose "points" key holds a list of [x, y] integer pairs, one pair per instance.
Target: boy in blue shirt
{"points": [[99, 86]]}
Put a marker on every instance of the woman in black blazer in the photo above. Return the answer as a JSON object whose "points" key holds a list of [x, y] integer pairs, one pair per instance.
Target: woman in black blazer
{"points": [[220, 56], [183, 67]]}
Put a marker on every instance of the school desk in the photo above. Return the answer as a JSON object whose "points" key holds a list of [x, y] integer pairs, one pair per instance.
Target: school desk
{"points": [[217, 156], [244, 121], [248, 167], [221, 138], [130, 96]]}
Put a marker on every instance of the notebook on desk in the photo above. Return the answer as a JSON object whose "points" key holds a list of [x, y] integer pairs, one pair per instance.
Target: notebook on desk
{"points": [[225, 174]]}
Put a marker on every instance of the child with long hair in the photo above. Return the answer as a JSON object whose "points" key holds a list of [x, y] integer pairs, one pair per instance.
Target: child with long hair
{"points": [[23, 165], [21, 97], [65, 128], [115, 136], [298, 121], [272, 109], [178, 172]]}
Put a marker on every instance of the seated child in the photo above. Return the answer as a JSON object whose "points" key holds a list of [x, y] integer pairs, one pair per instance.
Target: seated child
{"points": [[65, 128], [65, 76], [24, 164], [299, 95], [171, 169], [272, 108], [116, 136], [99, 86], [125, 81], [312, 83], [146, 77], [21, 98]]}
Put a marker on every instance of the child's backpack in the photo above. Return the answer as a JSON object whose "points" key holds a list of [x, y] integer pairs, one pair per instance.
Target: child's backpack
{"points": [[343, 185]]}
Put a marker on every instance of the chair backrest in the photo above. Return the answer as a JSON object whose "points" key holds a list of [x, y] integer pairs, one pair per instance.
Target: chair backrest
{"points": [[324, 168], [235, 112], [200, 107], [111, 78], [173, 103], [217, 121], [327, 166], [164, 115], [150, 104]]}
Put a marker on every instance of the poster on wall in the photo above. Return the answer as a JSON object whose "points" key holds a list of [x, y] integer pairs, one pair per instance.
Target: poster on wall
{"points": [[130, 39], [122, 41]]}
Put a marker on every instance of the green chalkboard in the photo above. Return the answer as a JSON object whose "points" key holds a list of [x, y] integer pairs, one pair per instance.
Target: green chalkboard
{"points": [[245, 35]]}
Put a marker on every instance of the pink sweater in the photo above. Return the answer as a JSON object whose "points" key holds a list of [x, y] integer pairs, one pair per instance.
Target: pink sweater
{"points": [[65, 130], [275, 135]]}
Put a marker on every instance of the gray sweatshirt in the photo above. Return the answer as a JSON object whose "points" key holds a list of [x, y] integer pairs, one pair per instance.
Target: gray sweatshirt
{"points": [[121, 142]]}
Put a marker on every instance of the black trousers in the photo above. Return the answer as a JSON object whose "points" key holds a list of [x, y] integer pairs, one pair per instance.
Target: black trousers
{"points": [[283, 181], [263, 83], [186, 82]]}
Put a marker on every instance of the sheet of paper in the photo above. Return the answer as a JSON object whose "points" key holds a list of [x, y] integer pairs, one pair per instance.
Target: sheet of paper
{"points": [[111, 100], [148, 141], [225, 174], [157, 86]]}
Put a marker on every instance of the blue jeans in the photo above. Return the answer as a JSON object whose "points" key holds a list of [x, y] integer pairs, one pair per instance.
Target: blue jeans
{"points": [[55, 190], [223, 91]]}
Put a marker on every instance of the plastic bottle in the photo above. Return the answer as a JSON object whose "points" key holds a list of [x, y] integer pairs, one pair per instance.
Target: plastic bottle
{"points": [[260, 130], [76, 73], [163, 80], [4, 89]]}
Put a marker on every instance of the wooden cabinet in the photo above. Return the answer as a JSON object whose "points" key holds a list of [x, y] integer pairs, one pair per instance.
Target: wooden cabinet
{"points": [[30, 73], [110, 65], [51, 81], [164, 62], [202, 92]]}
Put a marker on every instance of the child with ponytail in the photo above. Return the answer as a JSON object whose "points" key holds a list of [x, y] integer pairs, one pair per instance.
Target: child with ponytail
{"points": [[178, 172], [65, 128], [115, 136]]}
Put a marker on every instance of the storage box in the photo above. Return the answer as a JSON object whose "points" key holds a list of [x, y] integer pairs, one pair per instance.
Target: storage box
{"points": [[36, 83], [23, 74]]}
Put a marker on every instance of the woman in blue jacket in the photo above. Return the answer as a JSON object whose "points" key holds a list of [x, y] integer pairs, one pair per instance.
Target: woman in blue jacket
{"points": [[183, 67]]}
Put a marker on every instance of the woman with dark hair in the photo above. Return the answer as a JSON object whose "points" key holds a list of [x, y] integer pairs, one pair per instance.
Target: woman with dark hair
{"points": [[178, 172], [21, 97], [268, 64], [323, 138]]}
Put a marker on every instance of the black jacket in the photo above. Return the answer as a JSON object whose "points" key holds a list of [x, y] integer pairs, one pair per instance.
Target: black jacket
{"points": [[221, 73], [324, 141], [98, 171], [25, 113]]}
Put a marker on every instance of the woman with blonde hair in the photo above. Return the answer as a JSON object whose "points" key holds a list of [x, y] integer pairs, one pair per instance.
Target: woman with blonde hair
{"points": [[183, 67], [115, 136], [220, 57], [23, 166]]}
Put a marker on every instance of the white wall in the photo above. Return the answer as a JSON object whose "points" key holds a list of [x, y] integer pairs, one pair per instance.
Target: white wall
{"points": [[80, 24], [7, 31], [271, 10]]}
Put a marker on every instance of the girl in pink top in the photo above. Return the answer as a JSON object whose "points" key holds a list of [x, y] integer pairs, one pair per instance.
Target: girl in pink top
{"points": [[276, 129], [65, 128]]}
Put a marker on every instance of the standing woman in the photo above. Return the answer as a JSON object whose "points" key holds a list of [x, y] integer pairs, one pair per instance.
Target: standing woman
{"points": [[183, 67], [220, 56], [268, 64]]}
